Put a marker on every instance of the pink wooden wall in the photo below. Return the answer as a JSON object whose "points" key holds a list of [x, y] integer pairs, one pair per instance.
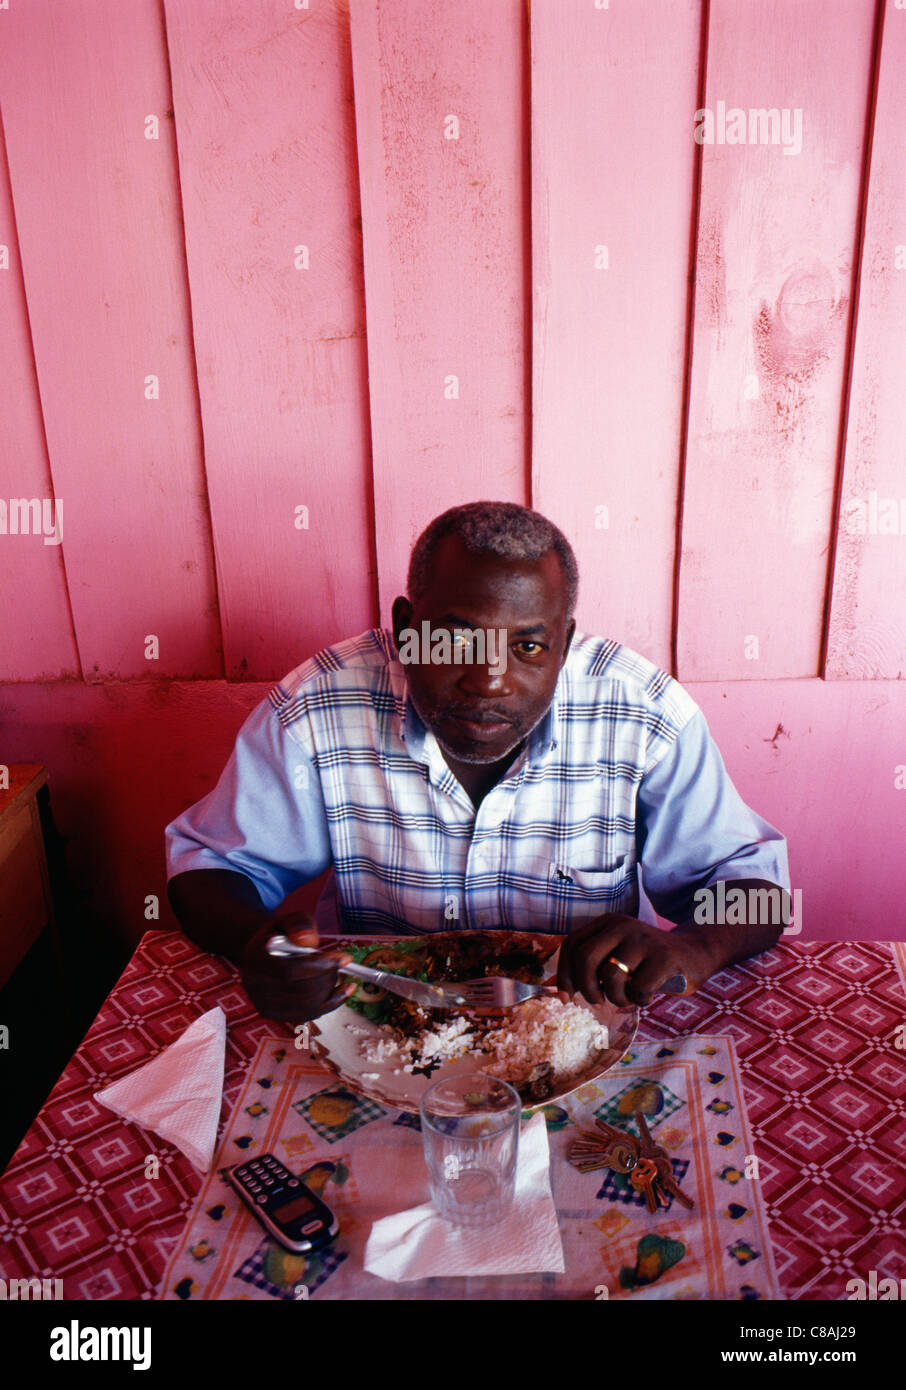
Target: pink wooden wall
{"points": [[282, 281]]}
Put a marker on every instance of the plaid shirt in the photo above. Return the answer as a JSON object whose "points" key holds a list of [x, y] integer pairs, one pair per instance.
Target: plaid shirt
{"points": [[618, 801]]}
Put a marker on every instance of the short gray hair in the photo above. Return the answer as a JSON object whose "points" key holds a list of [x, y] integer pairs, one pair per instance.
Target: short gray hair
{"points": [[494, 528]]}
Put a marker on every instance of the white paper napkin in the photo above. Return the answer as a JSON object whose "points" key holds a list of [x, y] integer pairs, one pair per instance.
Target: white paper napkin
{"points": [[179, 1093], [420, 1244]]}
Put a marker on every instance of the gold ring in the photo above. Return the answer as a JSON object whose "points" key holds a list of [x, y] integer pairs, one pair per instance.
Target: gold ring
{"points": [[612, 960]]}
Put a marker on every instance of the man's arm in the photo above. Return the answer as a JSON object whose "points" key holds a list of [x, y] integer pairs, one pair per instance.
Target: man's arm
{"points": [[222, 912], [234, 856], [694, 832], [217, 909], [649, 956], [758, 931]]}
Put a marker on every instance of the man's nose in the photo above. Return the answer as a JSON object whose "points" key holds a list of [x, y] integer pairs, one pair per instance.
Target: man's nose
{"points": [[486, 680]]}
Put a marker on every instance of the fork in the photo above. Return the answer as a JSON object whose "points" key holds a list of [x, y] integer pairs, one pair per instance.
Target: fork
{"points": [[497, 992]]}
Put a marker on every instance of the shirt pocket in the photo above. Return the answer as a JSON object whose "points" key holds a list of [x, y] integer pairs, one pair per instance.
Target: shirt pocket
{"points": [[579, 895]]}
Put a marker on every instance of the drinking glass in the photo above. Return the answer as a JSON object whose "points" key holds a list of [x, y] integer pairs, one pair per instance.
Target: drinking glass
{"points": [[470, 1130]]}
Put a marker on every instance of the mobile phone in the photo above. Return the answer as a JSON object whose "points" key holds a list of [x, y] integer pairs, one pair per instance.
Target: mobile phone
{"points": [[287, 1209]]}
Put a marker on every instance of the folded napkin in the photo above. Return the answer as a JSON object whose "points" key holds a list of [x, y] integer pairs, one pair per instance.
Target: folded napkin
{"points": [[179, 1093], [419, 1243]]}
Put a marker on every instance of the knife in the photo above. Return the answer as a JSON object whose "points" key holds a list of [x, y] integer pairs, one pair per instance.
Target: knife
{"points": [[419, 991]]}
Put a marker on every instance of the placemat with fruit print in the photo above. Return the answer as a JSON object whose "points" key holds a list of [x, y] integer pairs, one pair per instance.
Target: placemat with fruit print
{"points": [[366, 1161]]}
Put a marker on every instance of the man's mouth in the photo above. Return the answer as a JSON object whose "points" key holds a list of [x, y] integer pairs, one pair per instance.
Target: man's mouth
{"points": [[480, 724]]}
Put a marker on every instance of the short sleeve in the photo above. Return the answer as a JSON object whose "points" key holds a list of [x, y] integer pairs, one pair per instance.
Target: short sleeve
{"points": [[265, 818], [694, 828]]}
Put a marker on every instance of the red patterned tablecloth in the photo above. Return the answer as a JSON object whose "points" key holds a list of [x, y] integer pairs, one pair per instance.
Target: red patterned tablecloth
{"points": [[817, 1027]]}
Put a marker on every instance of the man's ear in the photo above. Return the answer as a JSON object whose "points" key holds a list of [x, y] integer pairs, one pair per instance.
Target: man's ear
{"points": [[570, 630], [402, 617]]}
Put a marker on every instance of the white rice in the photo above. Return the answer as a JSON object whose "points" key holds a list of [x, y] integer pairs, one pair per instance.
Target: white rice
{"points": [[546, 1030], [441, 1043], [567, 1036]]}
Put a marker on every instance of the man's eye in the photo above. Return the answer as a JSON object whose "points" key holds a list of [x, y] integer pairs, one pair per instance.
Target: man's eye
{"points": [[536, 645]]}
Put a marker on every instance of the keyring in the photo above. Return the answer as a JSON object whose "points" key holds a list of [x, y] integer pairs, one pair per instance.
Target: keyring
{"points": [[612, 960]]}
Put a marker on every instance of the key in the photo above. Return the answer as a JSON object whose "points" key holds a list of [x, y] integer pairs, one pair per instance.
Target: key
{"points": [[589, 1151], [647, 1147], [643, 1178], [612, 1148], [669, 1183], [661, 1159], [624, 1146], [649, 1153]]}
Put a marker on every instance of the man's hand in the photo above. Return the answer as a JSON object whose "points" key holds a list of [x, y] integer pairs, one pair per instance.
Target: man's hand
{"points": [[293, 988], [651, 955]]}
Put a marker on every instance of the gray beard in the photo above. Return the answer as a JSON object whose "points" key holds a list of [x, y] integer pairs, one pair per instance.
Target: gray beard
{"points": [[478, 759]]}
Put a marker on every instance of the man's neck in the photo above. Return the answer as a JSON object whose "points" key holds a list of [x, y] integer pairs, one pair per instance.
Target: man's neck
{"points": [[479, 778]]}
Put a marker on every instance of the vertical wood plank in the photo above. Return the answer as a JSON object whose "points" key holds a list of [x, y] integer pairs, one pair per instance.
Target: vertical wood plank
{"points": [[36, 638], [867, 631], [98, 216], [776, 241], [612, 189], [440, 94], [263, 101]]}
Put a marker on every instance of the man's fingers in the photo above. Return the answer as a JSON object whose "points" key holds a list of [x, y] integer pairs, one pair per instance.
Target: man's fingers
{"points": [[570, 952], [304, 967], [646, 980], [286, 1003], [564, 972], [594, 976], [583, 952], [340, 995], [302, 936], [616, 982]]}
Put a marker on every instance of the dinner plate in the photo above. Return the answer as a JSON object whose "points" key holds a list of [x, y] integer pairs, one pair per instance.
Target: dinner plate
{"points": [[333, 1042]]}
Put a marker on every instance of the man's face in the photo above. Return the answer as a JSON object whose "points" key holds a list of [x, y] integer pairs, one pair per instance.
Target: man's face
{"points": [[480, 712]]}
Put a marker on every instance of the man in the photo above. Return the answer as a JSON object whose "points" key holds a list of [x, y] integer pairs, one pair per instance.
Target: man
{"points": [[527, 789]]}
